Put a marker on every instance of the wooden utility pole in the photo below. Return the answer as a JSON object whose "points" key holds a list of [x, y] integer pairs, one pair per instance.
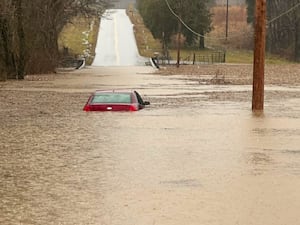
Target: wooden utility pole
{"points": [[259, 56], [227, 16], [178, 43], [180, 5]]}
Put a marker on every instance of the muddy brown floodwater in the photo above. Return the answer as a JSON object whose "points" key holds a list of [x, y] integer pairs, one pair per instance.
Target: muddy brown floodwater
{"points": [[197, 155]]}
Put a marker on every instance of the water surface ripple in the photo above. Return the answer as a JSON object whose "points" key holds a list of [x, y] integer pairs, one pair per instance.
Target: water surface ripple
{"points": [[197, 155]]}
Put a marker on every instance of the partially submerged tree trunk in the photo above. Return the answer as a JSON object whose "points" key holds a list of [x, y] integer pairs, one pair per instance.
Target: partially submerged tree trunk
{"points": [[6, 56], [3, 74], [21, 61], [297, 41]]}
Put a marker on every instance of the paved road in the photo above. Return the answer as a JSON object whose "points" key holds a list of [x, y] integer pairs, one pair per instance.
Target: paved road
{"points": [[116, 45]]}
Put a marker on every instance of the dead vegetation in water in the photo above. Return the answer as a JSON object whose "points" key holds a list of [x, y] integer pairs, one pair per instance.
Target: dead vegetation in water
{"points": [[237, 74]]}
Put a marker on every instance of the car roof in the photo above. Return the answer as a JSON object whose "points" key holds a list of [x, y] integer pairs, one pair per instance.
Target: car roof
{"points": [[115, 91]]}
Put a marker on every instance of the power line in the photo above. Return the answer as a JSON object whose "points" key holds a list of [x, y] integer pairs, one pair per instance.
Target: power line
{"points": [[212, 38], [178, 17], [283, 14], [190, 29]]}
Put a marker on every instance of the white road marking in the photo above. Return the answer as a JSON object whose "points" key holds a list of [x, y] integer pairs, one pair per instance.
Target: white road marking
{"points": [[116, 45], [116, 40]]}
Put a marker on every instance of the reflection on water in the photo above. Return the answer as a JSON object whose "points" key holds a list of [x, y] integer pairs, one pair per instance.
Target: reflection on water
{"points": [[180, 161]]}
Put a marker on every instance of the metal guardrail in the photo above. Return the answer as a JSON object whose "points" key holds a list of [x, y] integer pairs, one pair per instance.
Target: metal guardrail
{"points": [[72, 63]]}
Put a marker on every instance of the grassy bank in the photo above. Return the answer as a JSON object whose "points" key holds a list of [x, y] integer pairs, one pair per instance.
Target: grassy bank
{"points": [[79, 38], [147, 44]]}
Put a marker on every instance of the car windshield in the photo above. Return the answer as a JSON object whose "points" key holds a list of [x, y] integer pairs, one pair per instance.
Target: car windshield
{"points": [[111, 98]]}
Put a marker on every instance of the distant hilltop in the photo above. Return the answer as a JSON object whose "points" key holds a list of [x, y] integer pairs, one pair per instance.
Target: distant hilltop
{"points": [[231, 2], [123, 4]]}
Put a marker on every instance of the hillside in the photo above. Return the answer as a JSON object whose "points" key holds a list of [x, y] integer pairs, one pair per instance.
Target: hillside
{"points": [[231, 2]]}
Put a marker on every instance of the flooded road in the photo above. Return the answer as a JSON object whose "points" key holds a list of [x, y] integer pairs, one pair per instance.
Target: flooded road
{"points": [[197, 155]]}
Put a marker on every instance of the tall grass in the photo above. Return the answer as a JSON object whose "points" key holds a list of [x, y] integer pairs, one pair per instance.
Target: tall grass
{"points": [[240, 33], [80, 38], [147, 44]]}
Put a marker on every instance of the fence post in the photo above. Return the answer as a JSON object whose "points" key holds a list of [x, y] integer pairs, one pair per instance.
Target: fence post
{"points": [[194, 58]]}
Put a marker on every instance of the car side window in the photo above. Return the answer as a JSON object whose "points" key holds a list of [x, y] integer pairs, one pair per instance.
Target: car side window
{"points": [[140, 100]]}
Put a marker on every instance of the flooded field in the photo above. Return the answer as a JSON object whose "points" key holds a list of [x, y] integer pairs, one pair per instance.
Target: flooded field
{"points": [[196, 155]]}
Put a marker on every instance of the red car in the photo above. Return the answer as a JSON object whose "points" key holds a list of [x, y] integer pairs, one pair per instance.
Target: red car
{"points": [[115, 100]]}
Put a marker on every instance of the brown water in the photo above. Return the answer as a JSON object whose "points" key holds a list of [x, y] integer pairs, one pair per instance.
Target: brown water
{"points": [[197, 155]]}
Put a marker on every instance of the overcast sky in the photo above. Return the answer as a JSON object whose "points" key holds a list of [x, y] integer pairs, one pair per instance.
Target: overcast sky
{"points": [[123, 4]]}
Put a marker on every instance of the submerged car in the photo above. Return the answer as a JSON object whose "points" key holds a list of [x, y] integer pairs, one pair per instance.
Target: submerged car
{"points": [[115, 100]]}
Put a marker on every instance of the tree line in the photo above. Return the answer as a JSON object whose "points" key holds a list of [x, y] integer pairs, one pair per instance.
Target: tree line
{"points": [[283, 33], [162, 19], [283, 26], [29, 32]]}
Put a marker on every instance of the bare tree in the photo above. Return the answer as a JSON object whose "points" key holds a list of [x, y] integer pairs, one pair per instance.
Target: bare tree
{"points": [[29, 32], [7, 22], [284, 31]]}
